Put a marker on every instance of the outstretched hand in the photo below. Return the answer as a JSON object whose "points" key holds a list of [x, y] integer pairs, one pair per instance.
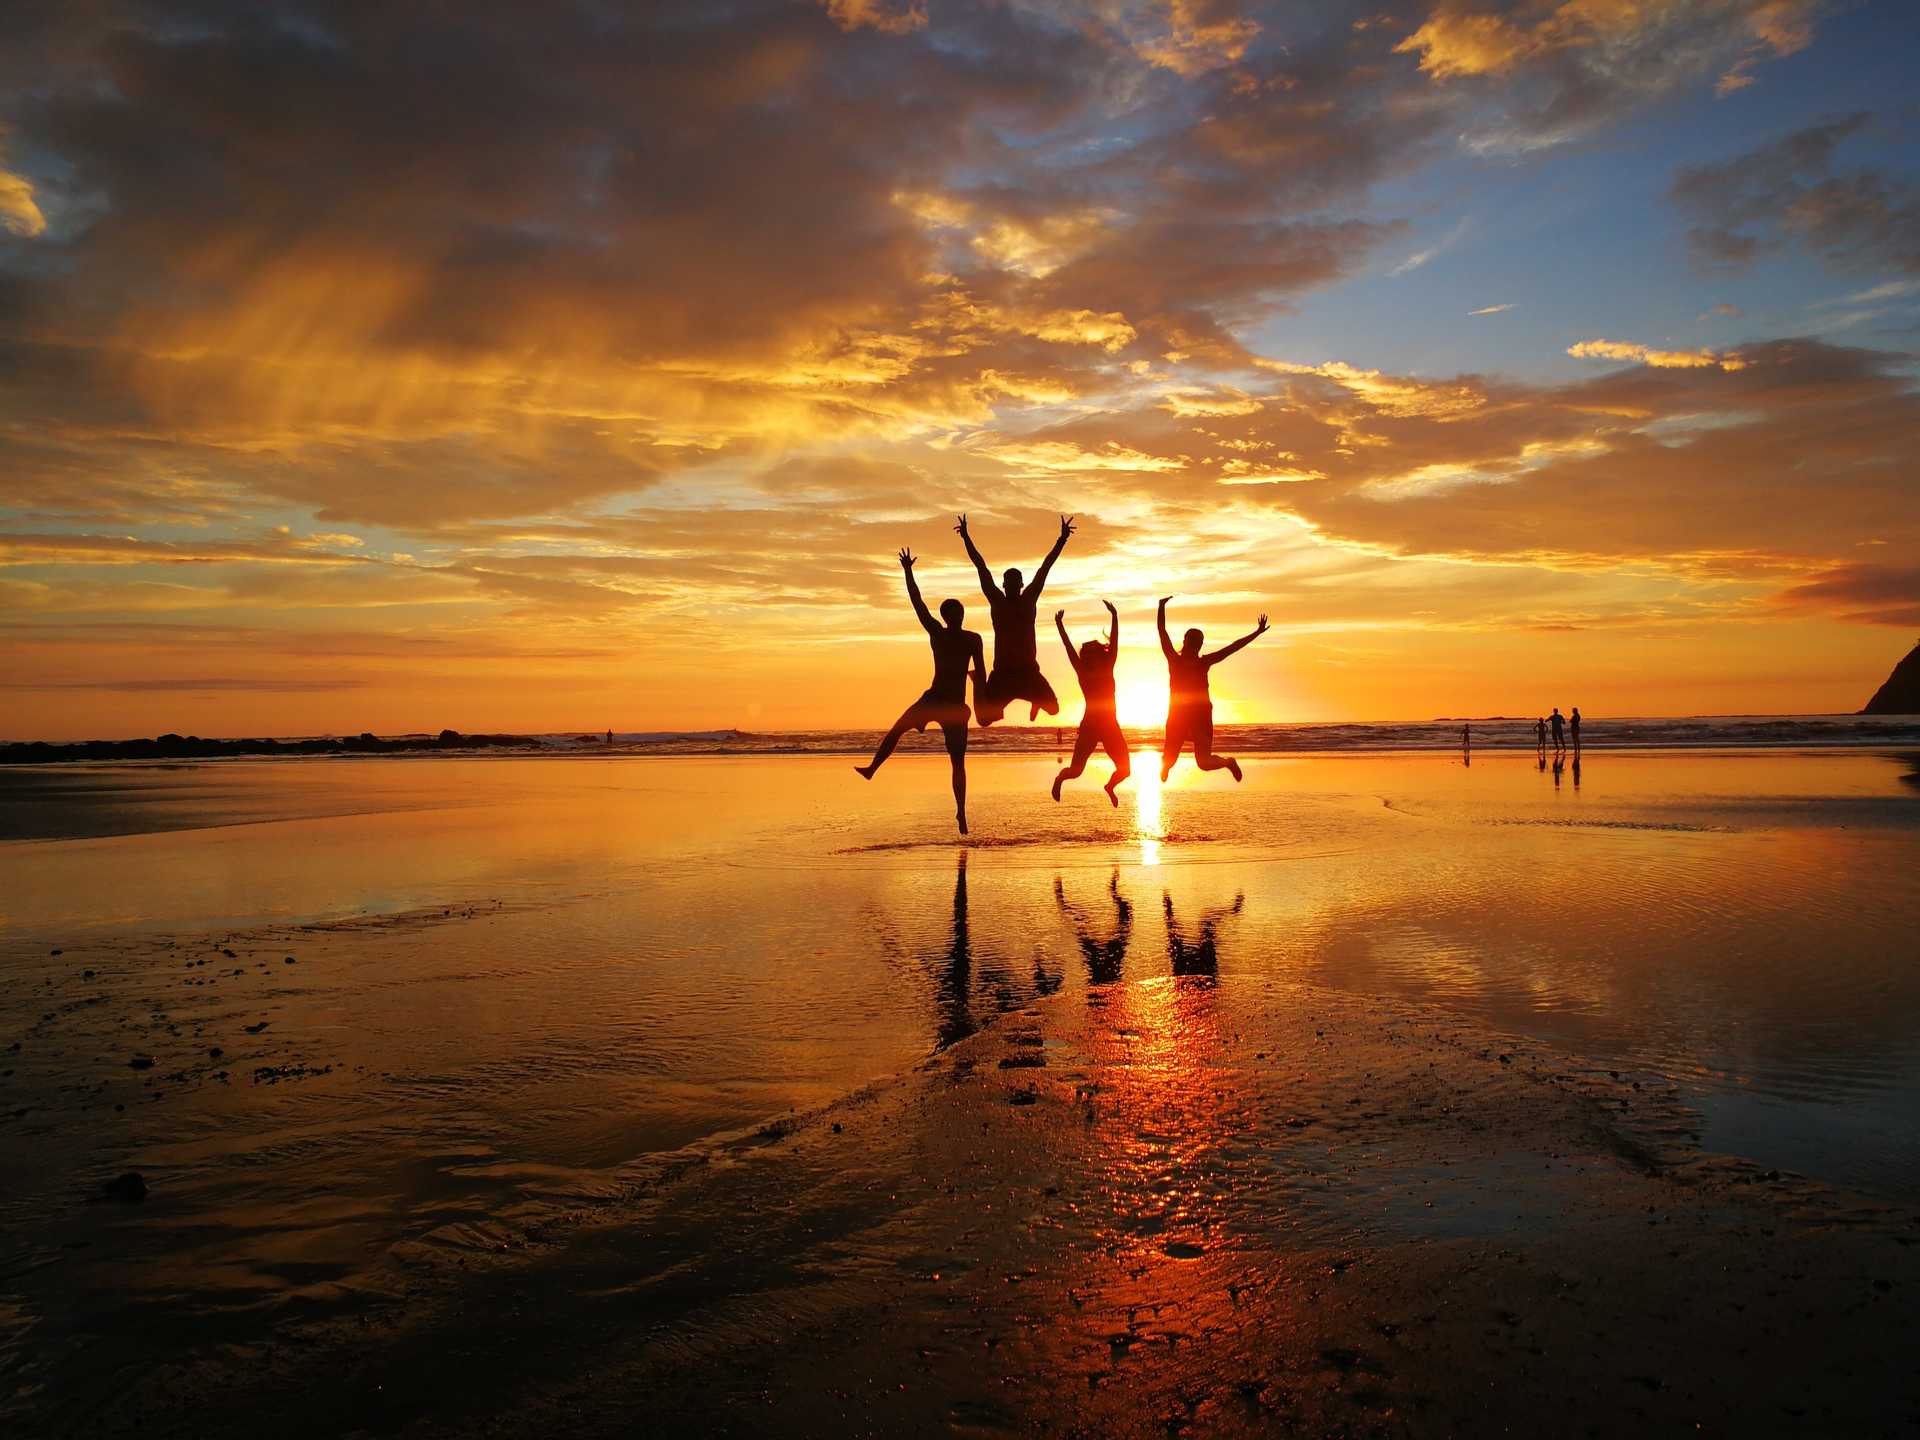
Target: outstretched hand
{"points": [[1110, 610], [961, 528], [1165, 598], [1066, 526], [906, 558], [1261, 627], [1059, 616]]}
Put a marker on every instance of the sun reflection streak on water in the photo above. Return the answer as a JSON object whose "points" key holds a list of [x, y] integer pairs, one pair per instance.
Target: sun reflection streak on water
{"points": [[1146, 806]]}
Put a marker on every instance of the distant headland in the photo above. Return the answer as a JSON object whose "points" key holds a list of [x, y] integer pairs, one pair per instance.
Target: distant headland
{"points": [[192, 747], [1901, 694]]}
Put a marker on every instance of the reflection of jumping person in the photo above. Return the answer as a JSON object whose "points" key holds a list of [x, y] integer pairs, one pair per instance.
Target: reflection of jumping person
{"points": [[1189, 702], [1100, 725], [1016, 665], [955, 651]]}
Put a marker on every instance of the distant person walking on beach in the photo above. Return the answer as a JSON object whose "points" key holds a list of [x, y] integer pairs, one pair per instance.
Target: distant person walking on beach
{"points": [[1559, 731], [1016, 663], [1189, 701], [1100, 724], [955, 653], [1573, 728]]}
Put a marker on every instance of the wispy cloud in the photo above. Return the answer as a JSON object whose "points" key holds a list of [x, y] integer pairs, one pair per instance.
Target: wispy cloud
{"points": [[1491, 310]]}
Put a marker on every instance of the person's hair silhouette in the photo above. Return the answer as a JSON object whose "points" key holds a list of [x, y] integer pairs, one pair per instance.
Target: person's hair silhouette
{"points": [[1189, 701], [944, 702], [1016, 662], [1100, 723]]}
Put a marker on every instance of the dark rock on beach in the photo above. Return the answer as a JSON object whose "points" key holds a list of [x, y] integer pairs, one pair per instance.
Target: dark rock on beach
{"points": [[1901, 693]]}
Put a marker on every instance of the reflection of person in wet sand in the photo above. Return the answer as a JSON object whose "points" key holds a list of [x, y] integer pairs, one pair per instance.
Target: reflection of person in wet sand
{"points": [[1104, 957], [1016, 663], [944, 703], [1100, 725], [1189, 702], [1199, 957], [955, 986]]}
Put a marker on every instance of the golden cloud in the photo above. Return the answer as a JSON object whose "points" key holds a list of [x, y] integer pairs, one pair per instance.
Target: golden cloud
{"points": [[1659, 359]]}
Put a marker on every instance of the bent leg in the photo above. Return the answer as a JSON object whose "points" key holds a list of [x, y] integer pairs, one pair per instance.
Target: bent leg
{"points": [[1039, 694], [1115, 744], [1203, 755], [910, 719], [1083, 744]]}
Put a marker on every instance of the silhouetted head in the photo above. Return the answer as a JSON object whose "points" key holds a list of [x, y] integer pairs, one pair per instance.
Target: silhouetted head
{"points": [[1556, 709], [1190, 642], [1010, 582], [1093, 650], [952, 611]]}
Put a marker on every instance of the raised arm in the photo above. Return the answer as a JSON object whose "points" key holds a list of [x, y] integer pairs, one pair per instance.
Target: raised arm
{"points": [[987, 587], [1060, 624], [913, 593], [1245, 640], [1113, 628], [1166, 645], [1046, 565]]}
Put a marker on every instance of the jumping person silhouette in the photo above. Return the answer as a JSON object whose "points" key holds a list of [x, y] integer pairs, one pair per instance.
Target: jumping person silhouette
{"points": [[955, 652], [1100, 725], [1016, 663], [1189, 703]]}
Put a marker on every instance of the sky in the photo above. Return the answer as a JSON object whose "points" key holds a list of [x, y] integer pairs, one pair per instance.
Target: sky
{"points": [[376, 366]]}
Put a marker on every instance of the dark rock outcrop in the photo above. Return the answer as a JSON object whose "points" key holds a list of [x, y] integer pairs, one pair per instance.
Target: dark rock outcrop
{"points": [[1901, 694]]}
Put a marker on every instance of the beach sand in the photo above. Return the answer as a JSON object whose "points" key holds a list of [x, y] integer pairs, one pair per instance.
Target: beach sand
{"points": [[1162, 1177]]}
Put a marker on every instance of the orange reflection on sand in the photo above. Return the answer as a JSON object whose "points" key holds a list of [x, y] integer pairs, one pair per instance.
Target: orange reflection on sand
{"points": [[1163, 1111], [1146, 805]]}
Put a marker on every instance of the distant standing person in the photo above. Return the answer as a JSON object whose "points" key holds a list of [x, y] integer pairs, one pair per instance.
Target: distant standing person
{"points": [[956, 652], [1540, 734], [1100, 724], [1016, 663], [1559, 730], [1190, 701], [1466, 737], [1573, 728]]}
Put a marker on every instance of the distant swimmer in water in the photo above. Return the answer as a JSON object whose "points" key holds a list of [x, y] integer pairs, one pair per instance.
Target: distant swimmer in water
{"points": [[1016, 662], [1100, 725], [1559, 730], [1189, 701], [955, 653]]}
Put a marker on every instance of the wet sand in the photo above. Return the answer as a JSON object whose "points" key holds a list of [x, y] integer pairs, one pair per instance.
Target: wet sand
{"points": [[1190, 1205], [1374, 1097]]}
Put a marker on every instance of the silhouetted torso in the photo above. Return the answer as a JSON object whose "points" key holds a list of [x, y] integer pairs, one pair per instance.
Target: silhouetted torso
{"points": [[951, 650], [1096, 684], [1187, 680], [1013, 624]]}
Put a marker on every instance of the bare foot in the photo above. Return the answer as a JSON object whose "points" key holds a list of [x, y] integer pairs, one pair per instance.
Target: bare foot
{"points": [[865, 772], [1058, 781], [1233, 768], [1113, 797]]}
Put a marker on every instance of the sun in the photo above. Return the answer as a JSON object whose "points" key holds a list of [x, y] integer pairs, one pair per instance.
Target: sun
{"points": [[1141, 702]]}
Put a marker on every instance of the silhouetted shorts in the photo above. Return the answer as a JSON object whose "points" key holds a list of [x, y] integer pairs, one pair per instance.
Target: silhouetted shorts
{"points": [[950, 715], [1193, 723], [1003, 687], [1100, 732]]}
